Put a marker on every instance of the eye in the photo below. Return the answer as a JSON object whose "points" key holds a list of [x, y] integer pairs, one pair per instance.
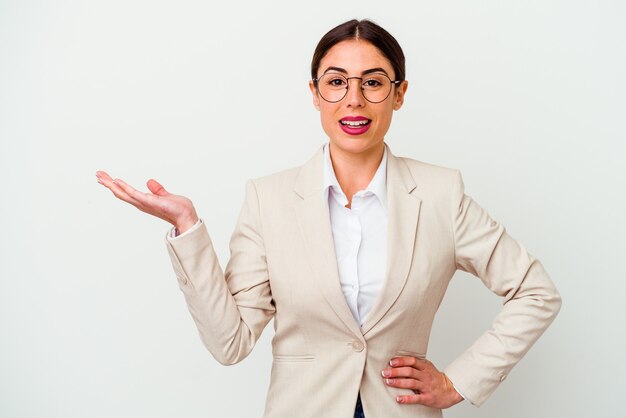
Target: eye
{"points": [[336, 81], [372, 83]]}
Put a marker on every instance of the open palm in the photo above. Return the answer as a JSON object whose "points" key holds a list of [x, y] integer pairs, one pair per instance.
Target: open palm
{"points": [[175, 209]]}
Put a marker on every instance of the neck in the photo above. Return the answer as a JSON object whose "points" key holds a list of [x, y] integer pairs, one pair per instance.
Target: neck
{"points": [[354, 172]]}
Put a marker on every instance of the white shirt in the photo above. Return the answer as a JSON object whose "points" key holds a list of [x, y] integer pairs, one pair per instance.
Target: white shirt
{"points": [[360, 236]]}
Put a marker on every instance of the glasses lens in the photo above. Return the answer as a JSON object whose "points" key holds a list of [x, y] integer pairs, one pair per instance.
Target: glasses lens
{"points": [[332, 87], [376, 87]]}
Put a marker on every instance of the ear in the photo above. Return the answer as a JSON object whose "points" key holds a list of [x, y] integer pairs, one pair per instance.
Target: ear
{"points": [[398, 99], [316, 97]]}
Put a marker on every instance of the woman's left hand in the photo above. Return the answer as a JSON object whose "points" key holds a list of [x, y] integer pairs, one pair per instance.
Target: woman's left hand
{"points": [[432, 388]]}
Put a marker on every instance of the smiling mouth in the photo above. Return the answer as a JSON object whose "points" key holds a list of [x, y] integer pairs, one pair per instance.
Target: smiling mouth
{"points": [[355, 123]]}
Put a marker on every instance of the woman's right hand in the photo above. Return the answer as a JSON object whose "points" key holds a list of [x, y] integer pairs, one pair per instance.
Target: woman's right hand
{"points": [[177, 210]]}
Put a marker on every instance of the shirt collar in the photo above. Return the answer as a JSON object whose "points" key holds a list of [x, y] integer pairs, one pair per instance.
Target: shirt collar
{"points": [[378, 184]]}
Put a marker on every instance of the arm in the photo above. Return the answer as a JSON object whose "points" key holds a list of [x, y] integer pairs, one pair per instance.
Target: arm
{"points": [[530, 299], [231, 307]]}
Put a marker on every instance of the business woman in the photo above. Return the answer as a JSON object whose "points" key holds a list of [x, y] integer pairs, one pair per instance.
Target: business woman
{"points": [[351, 255]]}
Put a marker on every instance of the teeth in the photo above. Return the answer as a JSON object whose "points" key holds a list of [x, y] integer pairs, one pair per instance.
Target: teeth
{"points": [[355, 122]]}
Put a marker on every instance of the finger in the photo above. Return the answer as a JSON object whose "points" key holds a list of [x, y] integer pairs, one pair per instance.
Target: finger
{"points": [[156, 188], [414, 399], [158, 205], [122, 195], [121, 189], [104, 178], [144, 199], [403, 372], [406, 384], [129, 194], [103, 174], [119, 192], [411, 361]]}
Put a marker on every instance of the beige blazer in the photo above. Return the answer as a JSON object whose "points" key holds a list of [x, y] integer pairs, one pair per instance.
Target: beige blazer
{"points": [[283, 266]]}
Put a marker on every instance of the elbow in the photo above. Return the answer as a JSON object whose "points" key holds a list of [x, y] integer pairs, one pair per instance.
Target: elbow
{"points": [[541, 288], [557, 302], [551, 303], [552, 297], [225, 358], [227, 353], [225, 361]]}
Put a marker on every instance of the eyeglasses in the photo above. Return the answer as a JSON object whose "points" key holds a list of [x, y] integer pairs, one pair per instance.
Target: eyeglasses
{"points": [[375, 87]]}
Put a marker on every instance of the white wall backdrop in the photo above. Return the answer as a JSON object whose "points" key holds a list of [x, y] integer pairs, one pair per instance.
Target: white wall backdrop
{"points": [[528, 99]]}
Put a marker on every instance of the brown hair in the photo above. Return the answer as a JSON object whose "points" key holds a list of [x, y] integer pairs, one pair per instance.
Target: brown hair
{"points": [[368, 31]]}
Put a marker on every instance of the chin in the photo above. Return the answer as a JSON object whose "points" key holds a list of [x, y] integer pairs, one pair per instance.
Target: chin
{"points": [[355, 144]]}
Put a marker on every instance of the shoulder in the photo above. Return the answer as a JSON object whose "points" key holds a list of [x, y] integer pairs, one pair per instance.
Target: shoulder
{"points": [[277, 180], [421, 167], [274, 187], [284, 182], [431, 177]]}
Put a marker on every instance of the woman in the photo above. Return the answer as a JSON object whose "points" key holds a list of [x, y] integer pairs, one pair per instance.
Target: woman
{"points": [[351, 335]]}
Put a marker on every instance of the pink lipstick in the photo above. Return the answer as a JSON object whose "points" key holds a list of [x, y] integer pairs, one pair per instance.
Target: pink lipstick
{"points": [[354, 125]]}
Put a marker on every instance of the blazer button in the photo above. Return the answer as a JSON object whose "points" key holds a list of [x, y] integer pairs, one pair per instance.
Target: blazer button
{"points": [[357, 346], [502, 377]]}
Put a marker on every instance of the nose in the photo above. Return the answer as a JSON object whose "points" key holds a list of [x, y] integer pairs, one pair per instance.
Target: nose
{"points": [[354, 96]]}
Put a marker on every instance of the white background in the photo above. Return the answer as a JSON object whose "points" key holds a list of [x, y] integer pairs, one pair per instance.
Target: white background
{"points": [[526, 98]]}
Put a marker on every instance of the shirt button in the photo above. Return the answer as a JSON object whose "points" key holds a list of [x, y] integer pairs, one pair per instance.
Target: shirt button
{"points": [[357, 346]]}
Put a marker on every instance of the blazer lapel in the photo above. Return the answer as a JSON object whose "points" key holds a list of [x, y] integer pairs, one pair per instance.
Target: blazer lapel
{"points": [[402, 216], [314, 221]]}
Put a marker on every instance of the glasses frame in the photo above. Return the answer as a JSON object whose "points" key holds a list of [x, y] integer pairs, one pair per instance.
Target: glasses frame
{"points": [[393, 83]]}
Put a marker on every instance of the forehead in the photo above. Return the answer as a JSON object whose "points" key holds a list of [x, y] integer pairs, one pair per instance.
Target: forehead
{"points": [[355, 56]]}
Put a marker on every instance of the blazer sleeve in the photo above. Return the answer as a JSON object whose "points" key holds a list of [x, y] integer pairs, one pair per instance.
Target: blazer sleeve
{"points": [[530, 299], [232, 307]]}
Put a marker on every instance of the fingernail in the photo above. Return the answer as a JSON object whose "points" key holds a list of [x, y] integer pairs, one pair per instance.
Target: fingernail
{"points": [[386, 373], [389, 381], [399, 399], [392, 363]]}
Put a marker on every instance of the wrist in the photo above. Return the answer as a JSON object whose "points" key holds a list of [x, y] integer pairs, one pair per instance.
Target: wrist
{"points": [[456, 395], [185, 223]]}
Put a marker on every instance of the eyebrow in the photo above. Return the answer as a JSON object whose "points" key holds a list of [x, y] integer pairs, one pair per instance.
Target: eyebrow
{"points": [[369, 71]]}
